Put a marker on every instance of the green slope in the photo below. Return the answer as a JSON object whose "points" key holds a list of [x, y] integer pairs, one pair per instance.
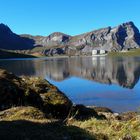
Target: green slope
{"points": [[7, 54]]}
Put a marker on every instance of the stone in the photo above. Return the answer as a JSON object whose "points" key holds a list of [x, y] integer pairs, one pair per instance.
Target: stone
{"points": [[35, 92]]}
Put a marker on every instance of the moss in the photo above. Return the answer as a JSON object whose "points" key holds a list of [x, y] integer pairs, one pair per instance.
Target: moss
{"points": [[56, 104], [15, 92], [18, 113], [55, 99], [29, 91]]}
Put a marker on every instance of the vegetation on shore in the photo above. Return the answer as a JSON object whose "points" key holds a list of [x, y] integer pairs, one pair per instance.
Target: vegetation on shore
{"points": [[4, 54], [32, 108], [31, 123], [111, 129], [133, 52]]}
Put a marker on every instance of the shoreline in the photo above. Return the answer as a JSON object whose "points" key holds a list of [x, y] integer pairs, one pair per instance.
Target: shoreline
{"points": [[29, 81], [36, 109], [111, 54]]}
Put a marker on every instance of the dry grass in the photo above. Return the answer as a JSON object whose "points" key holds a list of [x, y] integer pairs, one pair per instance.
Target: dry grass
{"points": [[111, 129], [31, 123], [21, 113]]}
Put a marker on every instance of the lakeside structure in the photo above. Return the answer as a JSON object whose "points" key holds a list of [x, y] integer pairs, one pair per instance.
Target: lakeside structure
{"points": [[96, 52]]}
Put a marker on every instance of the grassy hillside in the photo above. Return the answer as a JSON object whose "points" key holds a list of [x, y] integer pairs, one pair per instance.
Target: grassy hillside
{"points": [[7, 54], [133, 52]]}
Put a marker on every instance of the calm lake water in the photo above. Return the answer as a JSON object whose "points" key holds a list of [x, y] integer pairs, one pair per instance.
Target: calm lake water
{"points": [[99, 81]]}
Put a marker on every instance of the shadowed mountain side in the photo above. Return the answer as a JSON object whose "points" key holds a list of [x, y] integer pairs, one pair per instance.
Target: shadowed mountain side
{"points": [[4, 54], [12, 41]]}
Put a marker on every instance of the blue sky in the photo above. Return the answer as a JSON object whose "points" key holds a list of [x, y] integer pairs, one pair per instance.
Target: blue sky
{"points": [[42, 17]]}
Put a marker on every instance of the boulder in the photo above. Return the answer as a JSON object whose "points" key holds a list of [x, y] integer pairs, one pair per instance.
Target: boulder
{"points": [[126, 116], [36, 92], [81, 112], [55, 103], [20, 113], [15, 92]]}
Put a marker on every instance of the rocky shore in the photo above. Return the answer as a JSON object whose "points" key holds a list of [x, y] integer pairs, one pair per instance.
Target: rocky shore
{"points": [[33, 108]]}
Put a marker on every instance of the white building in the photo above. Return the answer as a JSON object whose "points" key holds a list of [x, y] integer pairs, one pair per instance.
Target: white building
{"points": [[102, 51], [98, 52], [94, 52]]}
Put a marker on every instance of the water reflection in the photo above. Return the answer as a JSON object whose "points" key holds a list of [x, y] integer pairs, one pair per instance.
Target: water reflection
{"points": [[101, 81], [123, 71]]}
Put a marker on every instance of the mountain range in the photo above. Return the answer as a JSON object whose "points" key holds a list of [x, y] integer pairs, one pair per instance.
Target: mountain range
{"points": [[124, 36]]}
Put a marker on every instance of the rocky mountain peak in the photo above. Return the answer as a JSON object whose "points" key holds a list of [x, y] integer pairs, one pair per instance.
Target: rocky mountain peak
{"points": [[12, 41], [128, 23], [57, 34], [58, 37], [4, 28], [124, 36]]}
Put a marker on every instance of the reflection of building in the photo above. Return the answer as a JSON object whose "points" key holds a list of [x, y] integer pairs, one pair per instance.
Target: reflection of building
{"points": [[98, 61]]}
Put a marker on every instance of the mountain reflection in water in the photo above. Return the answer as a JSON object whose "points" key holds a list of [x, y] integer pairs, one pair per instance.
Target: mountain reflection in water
{"points": [[119, 71], [124, 71]]}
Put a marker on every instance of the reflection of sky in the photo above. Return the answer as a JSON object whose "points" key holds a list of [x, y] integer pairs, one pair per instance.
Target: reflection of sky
{"points": [[91, 93], [137, 86]]}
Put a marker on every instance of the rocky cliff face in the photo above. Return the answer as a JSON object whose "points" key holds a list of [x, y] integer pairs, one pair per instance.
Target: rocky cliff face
{"points": [[54, 39], [112, 39], [121, 37]]}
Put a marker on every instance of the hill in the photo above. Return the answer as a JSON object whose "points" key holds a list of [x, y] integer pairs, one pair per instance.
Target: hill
{"points": [[122, 37]]}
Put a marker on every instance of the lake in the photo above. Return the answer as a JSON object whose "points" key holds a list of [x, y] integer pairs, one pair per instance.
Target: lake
{"points": [[93, 81]]}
